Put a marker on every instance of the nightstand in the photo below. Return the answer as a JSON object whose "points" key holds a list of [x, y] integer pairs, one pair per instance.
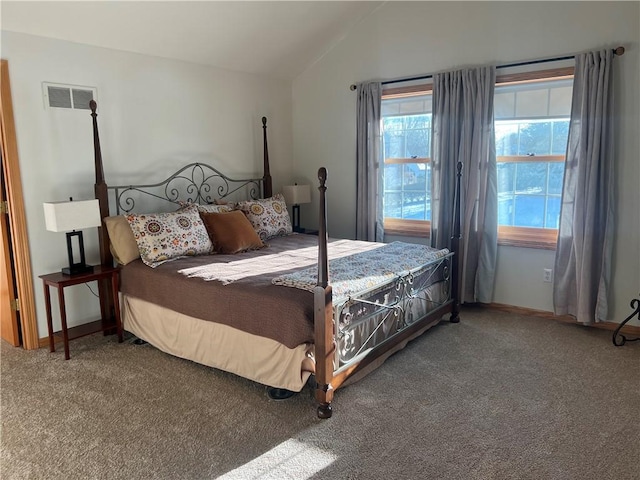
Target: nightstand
{"points": [[60, 281]]}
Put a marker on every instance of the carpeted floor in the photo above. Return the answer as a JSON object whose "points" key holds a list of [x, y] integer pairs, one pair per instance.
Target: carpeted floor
{"points": [[498, 396]]}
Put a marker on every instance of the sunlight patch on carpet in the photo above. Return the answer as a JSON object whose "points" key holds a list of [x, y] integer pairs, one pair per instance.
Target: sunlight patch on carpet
{"points": [[290, 459]]}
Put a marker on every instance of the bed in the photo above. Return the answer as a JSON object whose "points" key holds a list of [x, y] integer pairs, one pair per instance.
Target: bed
{"points": [[272, 313]]}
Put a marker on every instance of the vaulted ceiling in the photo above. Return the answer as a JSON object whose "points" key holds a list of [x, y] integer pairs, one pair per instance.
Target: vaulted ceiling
{"points": [[274, 38]]}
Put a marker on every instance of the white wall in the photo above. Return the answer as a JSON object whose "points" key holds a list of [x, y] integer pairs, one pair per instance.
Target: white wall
{"points": [[154, 115], [412, 38]]}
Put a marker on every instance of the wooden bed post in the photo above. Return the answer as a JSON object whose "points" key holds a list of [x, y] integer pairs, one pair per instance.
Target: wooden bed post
{"points": [[267, 186], [455, 246], [323, 312], [100, 190]]}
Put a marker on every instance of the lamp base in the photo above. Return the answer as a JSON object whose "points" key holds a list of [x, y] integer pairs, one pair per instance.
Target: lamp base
{"points": [[296, 219], [77, 269]]}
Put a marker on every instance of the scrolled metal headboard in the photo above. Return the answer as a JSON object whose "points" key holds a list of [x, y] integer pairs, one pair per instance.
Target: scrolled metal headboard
{"points": [[193, 183], [197, 192]]}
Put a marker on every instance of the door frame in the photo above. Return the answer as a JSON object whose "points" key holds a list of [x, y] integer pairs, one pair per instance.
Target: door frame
{"points": [[17, 217], [9, 321]]}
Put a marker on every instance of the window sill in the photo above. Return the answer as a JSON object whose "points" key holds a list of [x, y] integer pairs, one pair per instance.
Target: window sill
{"points": [[524, 237], [527, 244], [540, 238], [407, 228]]}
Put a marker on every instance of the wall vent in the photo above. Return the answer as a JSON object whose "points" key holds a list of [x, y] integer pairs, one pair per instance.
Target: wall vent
{"points": [[72, 97]]}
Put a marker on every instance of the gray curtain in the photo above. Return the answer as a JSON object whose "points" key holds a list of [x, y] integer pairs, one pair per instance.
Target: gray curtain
{"points": [[463, 132], [369, 207], [585, 237]]}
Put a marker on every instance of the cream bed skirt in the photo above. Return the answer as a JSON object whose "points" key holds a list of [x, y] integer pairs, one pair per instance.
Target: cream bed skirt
{"points": [[257, 358]]}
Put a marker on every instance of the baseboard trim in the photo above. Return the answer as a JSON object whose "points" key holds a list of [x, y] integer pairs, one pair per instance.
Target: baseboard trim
{"points": [[73, 332], [632, 330]]}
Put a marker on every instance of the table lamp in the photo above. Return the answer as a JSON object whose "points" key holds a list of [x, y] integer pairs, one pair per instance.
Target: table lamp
{"points": [[295, 195], [71, 217]]}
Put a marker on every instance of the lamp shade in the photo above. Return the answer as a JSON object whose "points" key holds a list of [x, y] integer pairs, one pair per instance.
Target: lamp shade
{"points": [[296, 194], [68, 216]]}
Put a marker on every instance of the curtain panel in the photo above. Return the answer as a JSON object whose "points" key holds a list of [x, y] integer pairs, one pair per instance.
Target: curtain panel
{"points": [[463, 132], [369, 171], [585, 236]]}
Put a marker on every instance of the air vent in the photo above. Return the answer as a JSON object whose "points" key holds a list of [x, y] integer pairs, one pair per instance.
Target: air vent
{"points": [[68, 96]]}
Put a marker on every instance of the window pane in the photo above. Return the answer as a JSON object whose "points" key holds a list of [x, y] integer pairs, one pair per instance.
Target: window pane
{"points": [[505, 209], [556, 175], [393, 137], [417, 144], [392, 177], [415, 177], [407, 188], [393, 205], [414, 206], [393, 144], [535, 138], [531, 177], [506, 175], [560, 137], [413, 122], [506, 139], [553, 212], [529, 211], [394, 124]]}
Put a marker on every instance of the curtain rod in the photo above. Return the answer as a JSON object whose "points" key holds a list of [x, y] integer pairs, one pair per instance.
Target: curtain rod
{"points": [[616, 51]]}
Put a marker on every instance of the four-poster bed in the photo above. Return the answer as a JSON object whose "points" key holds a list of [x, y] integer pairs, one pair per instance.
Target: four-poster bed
{"points": [[265, 320]]}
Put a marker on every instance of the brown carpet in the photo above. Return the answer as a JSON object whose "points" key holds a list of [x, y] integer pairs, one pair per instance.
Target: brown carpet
{"points": [[497, 396]]}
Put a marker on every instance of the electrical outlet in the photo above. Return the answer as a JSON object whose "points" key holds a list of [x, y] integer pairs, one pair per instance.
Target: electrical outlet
{"points": [[547, 275]]}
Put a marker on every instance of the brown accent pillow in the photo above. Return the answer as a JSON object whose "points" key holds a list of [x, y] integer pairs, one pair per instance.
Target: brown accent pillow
{"points": [[123, 244], [231, 232]]}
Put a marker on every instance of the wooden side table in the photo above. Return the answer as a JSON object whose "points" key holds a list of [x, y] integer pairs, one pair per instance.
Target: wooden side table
{"points": [[60, 281]]}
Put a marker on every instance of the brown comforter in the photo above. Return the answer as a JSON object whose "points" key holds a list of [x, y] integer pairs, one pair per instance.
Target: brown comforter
{"points": [[251, 303]]}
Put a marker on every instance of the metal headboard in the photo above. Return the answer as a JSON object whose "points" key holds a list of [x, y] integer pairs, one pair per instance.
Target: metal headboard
{"points": [[193, 183]]}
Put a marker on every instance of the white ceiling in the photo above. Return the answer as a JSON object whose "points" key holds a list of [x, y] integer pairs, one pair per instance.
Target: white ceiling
{"points": [[275, 38]]}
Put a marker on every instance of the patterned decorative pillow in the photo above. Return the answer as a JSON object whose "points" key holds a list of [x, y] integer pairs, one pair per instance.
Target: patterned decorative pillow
{"points": [[268, 216], [212, 208], [208, 208], [221, 201], [166, 236]]}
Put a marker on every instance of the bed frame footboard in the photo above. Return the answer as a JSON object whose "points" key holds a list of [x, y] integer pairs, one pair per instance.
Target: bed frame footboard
{"points": [[329, 376]]}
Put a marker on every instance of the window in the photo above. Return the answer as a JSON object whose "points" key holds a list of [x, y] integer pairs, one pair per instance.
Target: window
{"points": [[531, 113], [531, 129], [406, 127]]}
